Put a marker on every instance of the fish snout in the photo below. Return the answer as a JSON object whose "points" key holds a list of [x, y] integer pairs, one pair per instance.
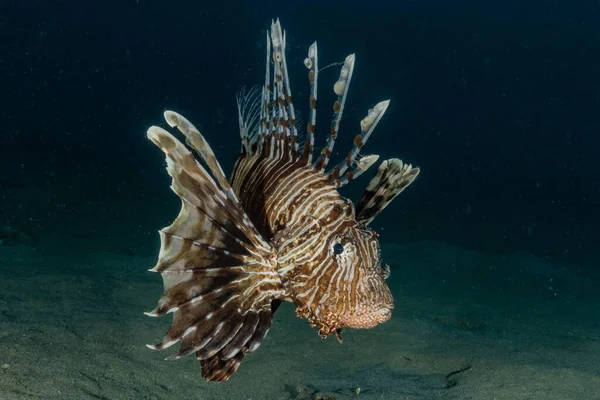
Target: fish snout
{"points": [[385, 313]]}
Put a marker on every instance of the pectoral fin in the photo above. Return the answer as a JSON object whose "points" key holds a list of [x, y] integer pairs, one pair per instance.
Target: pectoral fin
{"points": [[219, 274]]}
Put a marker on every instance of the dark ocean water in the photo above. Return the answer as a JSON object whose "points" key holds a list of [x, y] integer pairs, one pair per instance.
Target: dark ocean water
{"points": [[497, 102]]}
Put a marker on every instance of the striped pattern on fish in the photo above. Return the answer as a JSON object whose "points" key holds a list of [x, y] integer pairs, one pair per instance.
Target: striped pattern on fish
{"points": [[277, 230]]}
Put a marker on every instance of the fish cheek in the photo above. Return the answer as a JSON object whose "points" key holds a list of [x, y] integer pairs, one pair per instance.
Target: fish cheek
{"points": [[372, 296]]}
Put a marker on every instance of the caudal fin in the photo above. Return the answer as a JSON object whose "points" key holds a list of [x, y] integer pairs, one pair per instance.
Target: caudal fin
{"points": [[218, 272]]}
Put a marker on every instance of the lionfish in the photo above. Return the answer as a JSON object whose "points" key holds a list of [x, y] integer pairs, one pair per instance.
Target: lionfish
{"points": [[277, 231]]}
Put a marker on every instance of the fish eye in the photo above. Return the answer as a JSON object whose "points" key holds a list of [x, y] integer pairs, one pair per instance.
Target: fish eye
{"points": [[338, 248]]}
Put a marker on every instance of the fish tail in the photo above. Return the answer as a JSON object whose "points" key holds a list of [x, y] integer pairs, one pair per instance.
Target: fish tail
{"points": [[393, 176], [218, 272]]}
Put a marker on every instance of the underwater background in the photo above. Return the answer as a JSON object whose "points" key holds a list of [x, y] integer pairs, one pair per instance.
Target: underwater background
{"points": [[493, 249]]}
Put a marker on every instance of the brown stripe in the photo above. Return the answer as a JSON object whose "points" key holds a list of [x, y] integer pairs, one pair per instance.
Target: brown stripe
{"points": [[358, 142], [326, 152], [349, 176], [332, 132], [337, 106]]}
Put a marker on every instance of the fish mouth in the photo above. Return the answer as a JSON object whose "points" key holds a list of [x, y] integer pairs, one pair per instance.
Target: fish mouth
{"points": [[370, 319], [385, 313]]}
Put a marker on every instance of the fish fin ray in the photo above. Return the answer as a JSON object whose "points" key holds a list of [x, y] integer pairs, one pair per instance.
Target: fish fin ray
{"points": [[249, 105], [393, 176], [367, 126], [219, 366], [341, 90], [311, 62], [216, 268]]}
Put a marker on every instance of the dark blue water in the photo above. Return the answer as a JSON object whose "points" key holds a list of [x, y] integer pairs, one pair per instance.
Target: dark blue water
{"points": [[497, 102]]}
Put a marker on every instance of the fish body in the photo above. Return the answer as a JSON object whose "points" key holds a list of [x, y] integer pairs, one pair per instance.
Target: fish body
{"points": [[277, 230]]}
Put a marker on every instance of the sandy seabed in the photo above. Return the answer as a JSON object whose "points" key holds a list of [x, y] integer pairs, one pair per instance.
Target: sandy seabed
{"points": [[466, 325]]}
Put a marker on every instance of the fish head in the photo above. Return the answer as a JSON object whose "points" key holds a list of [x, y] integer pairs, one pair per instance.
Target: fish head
{"points": [[336, 277], [362, 297]]}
